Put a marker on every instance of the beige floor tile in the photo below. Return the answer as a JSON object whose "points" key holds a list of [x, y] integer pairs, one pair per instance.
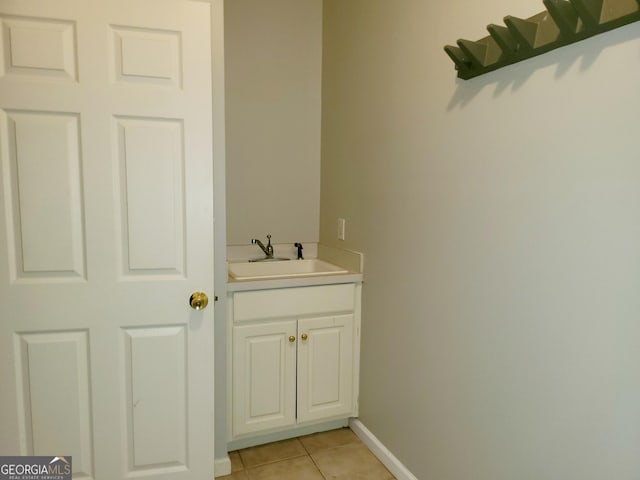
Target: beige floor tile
{"points": [[301, 468], [236, 463], [272, 452], [333, 438], [350, 462]]}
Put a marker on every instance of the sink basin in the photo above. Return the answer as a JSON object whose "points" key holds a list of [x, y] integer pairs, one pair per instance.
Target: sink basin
{"points": [[292, 268]]}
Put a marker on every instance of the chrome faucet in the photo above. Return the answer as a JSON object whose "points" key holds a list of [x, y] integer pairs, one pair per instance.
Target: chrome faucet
{"points": [[268, 250]]}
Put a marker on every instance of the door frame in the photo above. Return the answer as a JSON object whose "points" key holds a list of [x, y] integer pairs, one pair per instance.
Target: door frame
{"points": [[222, 460]]}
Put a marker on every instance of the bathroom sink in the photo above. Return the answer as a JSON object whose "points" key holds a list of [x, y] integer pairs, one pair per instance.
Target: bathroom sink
{"points": [[293, 268]]}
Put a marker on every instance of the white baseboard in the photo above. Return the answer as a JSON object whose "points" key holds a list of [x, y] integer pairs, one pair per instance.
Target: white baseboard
{"points": [[222, 466], [387, 458]]}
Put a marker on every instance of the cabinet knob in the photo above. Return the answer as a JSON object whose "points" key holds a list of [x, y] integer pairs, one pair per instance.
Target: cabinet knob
{"points": [[292, 339], [304, 336]]}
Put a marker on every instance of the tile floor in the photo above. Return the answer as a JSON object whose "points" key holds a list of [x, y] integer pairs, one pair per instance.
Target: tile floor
{"points": [[333, 455]]}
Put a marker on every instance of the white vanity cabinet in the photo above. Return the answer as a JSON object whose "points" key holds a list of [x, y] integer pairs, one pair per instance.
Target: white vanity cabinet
{"points": [[294, 357]]}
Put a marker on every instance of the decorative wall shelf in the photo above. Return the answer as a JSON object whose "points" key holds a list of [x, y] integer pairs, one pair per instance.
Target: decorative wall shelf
{"points": [[562, 23]]}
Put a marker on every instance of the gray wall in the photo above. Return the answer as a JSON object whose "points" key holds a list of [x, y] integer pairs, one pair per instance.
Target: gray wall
{"points": [[273, 53], [500, 222]]}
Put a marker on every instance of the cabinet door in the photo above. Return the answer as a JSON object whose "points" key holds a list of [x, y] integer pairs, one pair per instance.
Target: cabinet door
{"points": [[325, 367], [264, 376]]}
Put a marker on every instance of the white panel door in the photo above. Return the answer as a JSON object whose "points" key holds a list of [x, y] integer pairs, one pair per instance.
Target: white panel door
{"points": [[106, 228], [325, 367], [264, 376]]}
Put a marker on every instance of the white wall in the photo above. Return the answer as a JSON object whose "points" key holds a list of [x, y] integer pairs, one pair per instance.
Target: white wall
{"points": [[500, 221], [273, 53]]}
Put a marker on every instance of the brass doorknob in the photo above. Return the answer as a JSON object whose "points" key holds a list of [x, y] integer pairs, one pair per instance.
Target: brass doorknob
{"points": [[292, 339], [198, 300], [304, 336]]}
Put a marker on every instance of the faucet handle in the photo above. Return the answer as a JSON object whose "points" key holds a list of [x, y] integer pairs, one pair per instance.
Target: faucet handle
{"points": [[269, 247]]}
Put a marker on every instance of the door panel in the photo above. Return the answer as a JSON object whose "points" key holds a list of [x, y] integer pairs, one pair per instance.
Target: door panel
{"points": [[44, 195], [325, 367], [156, 364], [146, 55], [38, 46], [106, 230], [55, 409], [152, 213], [264, 376]]}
